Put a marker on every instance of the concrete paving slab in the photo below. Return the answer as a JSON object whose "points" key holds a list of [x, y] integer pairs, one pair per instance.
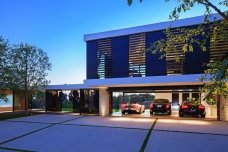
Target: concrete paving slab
{"points": [[202, 126], [81, 138], [143, 123], [10, 130], [187, 142], [47, 118]]}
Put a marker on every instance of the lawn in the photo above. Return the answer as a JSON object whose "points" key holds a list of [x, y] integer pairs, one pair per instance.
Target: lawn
{"points": [[14, 115]]}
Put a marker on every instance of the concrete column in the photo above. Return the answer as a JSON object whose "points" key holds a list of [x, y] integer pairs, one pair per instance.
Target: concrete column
{"points": [[103, 102], [190, 96], [180, 98], [223, 108]]}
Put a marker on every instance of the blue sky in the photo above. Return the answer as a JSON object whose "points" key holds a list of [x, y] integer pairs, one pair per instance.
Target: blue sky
{"points": [[58, 27]]}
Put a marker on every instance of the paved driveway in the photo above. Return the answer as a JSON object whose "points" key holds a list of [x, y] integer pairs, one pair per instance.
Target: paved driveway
{"points": [[51, 132]]}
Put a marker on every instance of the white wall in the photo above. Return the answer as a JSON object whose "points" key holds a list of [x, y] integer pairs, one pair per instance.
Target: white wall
{"points": [[164, 96], [211, 110], [103, 102]]}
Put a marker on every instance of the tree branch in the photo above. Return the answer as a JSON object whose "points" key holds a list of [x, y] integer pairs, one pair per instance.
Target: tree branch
{"points": [[207, 3]]}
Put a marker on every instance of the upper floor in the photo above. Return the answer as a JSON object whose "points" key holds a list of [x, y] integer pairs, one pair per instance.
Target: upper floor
{"points": [[118, 53]]}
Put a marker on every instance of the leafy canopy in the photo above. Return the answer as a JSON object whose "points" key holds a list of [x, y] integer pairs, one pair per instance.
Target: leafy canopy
{"points": [[216, 76], [23, 67]]}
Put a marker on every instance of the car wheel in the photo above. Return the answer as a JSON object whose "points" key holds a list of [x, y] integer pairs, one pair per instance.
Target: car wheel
{"points": [[203, 115], [169, 113], [139, 112], [180, 114], [143, 110], [151, 112], [123, 112]]}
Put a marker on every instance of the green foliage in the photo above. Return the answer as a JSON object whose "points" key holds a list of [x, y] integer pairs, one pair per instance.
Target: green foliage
{"points": [[31, 62], [24, 61], [216, 79], [4, 49], [38, 99], [15, 115], [130, 2], [3, 98], [187, 38], [23, 67]]}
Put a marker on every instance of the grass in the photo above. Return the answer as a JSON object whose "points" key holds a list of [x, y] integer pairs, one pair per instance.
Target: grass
{"points": [[115, 110], [13, 115], [67, 109]]}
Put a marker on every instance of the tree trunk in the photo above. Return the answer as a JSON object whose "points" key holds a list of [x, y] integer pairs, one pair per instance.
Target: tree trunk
{"points": [[26, 83]]}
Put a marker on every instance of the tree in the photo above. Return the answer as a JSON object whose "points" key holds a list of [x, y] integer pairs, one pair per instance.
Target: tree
{"points": [[216, 76], [4, 49], [26, 69]]}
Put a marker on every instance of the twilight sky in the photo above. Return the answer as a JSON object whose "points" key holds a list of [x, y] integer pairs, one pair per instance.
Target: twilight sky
{"points": [[58, 27]]}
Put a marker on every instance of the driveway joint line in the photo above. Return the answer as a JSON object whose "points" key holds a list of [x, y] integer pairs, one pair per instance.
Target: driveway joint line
{"points": [[48, 123], [142, 149], [191, 132], [25, 134], [38, 130], [99, 126], [71, 119]]}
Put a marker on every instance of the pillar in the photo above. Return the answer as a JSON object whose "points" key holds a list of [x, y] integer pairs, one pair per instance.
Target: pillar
{"points": [[103, 102]]}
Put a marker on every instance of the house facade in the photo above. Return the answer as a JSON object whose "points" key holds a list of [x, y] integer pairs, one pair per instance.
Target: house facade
{"points": [[119, 71]]}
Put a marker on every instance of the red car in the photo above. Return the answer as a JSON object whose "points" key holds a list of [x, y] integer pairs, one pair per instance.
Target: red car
{"points": [[192, 108], [130, 107]]}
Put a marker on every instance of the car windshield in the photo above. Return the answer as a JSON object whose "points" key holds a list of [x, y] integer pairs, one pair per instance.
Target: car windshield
{"points": [[161, 101], [131, 102]]}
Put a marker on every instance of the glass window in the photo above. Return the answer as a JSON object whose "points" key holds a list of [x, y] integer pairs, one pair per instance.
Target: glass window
{"points": [[128, 103], [185, 97], [6, 104], [104, 58], [195, 96], [89, 101], [136, 55]]}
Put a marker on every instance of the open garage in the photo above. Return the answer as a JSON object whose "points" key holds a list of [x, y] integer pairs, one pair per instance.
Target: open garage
{"points": [[133, 97], [138, 101]]}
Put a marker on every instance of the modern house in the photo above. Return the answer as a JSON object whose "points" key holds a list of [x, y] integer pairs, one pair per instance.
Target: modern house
{"points": [[118, 71]]}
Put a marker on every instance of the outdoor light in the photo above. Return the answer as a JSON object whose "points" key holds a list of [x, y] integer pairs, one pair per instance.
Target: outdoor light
{"points": [[122, 119]]}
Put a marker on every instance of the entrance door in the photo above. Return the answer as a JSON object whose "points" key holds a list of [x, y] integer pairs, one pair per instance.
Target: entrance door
{"points": [[175, 101]]}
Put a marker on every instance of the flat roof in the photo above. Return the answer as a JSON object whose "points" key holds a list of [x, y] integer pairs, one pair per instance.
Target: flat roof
{"points": [[67, 87], [170, 80], [150, 27]]}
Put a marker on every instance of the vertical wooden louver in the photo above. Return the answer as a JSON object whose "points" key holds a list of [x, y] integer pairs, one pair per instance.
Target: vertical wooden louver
{"points": [[173, 67], [104, 58], [219, 47], [137, 66]]}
